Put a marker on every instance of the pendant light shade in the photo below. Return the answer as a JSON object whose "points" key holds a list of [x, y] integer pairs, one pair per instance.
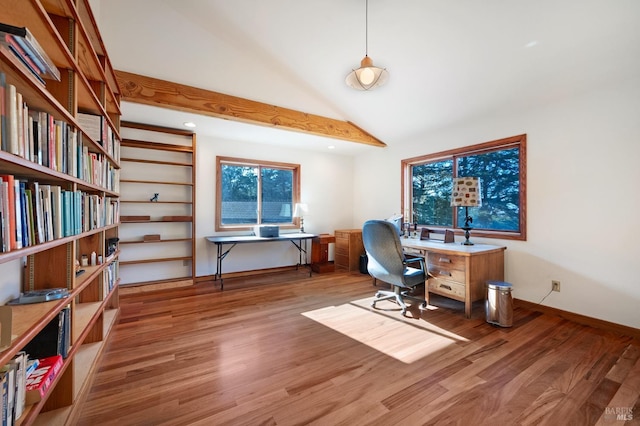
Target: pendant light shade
{"points": [[368, 76]]}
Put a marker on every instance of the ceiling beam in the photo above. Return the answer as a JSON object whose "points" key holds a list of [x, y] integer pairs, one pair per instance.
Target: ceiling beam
{"points": [[151, 91]]}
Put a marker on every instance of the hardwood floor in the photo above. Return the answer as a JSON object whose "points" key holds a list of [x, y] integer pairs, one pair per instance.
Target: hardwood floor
{"points": [[286, 349]]}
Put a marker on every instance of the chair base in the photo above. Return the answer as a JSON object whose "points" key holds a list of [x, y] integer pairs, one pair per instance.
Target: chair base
{"points": [[399, 297]]}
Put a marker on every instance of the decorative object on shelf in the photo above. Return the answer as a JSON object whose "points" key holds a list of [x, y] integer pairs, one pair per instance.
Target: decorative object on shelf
{"points": [[38, 296], [368, 76], [112, 245], [466, 193], [155, 197], [300, 210]]}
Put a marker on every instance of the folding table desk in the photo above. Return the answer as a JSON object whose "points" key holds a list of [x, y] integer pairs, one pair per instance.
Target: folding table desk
{"points": [[299, 240]]}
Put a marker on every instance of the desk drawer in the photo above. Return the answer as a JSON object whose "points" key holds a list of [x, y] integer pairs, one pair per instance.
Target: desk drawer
{"points": [[446, 261], [451, 289], [447, 274]]}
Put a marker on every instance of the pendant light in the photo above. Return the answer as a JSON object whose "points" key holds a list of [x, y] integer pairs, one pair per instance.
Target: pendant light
{"points": [[368, 76]]}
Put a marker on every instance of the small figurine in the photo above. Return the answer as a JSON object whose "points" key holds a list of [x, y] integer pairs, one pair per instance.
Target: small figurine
{"points": [[155, 197]]}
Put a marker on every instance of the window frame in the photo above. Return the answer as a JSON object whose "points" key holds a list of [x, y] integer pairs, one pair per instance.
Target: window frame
{"points": [[244, 162], [519, 141]]}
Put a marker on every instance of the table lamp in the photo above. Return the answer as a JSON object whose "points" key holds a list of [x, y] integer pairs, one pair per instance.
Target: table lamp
{"points": [[466, 193], [300, 210]]}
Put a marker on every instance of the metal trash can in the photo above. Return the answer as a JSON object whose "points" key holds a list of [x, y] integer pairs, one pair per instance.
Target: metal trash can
{"points": [[499, 304]]}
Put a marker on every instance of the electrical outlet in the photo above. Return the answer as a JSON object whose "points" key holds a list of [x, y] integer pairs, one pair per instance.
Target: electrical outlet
{"points": [[555, 285]]}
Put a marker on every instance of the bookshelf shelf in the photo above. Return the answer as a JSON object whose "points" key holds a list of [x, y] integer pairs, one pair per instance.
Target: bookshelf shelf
{"points": [[85, 315], [156, 182], [164, 163], [155, 260], [169, 240], [158, 202], [156, 220], [81, 211], [157, 164]]}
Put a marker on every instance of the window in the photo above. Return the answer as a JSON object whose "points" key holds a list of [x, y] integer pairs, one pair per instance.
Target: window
{"points": [[427, 184], [251, 192]]}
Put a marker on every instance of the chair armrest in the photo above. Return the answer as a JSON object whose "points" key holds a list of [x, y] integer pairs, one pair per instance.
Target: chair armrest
{"points": [[417, 260]]}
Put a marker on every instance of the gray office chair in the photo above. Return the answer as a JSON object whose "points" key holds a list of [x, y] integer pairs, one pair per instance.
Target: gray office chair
{"points": [[386, 262]]}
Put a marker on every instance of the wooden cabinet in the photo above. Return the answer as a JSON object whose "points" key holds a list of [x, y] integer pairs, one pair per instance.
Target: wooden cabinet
{"points": [[348, 249], [320, 253], [69, 203], [157, 198], [456, 271]]}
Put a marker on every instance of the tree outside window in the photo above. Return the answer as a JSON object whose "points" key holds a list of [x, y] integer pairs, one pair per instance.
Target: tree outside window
{"points": [[251, 192], [427, 186]]}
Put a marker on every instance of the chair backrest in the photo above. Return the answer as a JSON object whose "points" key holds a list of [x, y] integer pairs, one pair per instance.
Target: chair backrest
{"points": [[384, 251]]}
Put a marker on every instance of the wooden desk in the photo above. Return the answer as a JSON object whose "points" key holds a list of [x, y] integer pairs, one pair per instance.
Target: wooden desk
{"points": [[297, 239], [456, 271]]}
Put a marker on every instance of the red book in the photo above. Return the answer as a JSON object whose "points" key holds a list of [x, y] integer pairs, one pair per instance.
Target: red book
{"points": [[39, 381], [9, 179], [20, 51]]}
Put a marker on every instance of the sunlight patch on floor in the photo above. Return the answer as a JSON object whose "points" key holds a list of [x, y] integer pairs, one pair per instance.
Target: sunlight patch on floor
{"points": [[405, 339]]}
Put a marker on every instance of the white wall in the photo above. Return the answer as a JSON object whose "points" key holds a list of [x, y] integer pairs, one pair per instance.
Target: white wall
{"points": [[582, 172], [326, 186]]}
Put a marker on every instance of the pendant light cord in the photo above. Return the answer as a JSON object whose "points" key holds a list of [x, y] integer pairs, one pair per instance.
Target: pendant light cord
{"points": [[366, 28]]}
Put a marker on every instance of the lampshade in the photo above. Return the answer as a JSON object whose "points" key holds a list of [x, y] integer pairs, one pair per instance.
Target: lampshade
{"points": [[285, 210], [466, 192], [368, 76], [300, 210]]}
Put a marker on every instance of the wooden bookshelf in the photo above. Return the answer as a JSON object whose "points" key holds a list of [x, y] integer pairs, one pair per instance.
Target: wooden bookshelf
{"points": [[66, 31], [157, 160]]}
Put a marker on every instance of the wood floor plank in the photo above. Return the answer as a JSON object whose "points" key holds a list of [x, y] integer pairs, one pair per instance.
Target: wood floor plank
{"points": [[286, 349]]}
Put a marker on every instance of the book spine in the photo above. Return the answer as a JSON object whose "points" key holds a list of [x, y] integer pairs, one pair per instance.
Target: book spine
{"points": [[11, 209], [35, 52], [6, 223], [34, 64], [12, 119], [22, 61], [3, 111]]}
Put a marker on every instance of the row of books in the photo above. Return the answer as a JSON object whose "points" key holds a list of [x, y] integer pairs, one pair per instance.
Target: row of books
{"points": [[24, 381], [47, 349], [38, 137], [98, 129], [53, 339], [110, 278], [32, 213], [24, 46]]}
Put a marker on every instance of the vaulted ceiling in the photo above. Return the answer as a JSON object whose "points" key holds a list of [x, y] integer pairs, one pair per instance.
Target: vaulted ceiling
{"points": [[450, 61]]}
